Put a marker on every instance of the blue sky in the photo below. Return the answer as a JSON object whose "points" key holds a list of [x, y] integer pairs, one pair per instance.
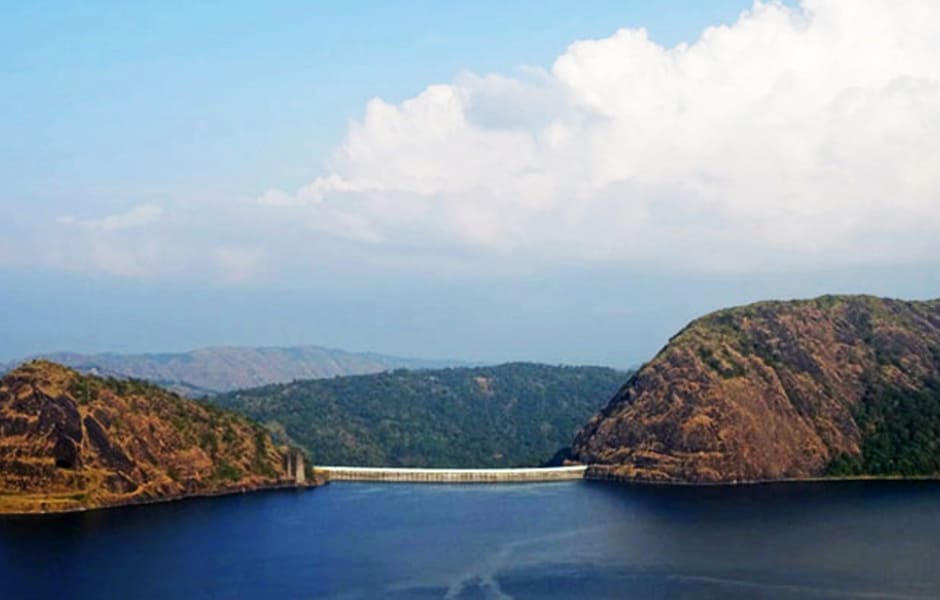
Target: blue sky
{"points": [[180, 175], [108, 100]]}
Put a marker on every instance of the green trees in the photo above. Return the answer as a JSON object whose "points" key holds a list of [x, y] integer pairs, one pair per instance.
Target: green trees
{"points": [[900, 433], [510, 415]]}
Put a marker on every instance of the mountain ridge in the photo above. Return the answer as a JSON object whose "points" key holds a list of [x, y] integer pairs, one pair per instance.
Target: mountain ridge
{"points": [[833, 386], [216, 369]]}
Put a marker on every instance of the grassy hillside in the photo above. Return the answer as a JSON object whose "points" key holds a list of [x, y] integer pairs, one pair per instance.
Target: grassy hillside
{"points": [[70, 441], [838, 385], [503, 416]]}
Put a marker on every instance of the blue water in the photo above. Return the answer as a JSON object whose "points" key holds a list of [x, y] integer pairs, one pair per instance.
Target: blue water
{"points": [[566, 540]]}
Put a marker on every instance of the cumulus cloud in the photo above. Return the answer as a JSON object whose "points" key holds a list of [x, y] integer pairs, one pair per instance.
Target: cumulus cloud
{"points": [[139, 215], [795, 136]]}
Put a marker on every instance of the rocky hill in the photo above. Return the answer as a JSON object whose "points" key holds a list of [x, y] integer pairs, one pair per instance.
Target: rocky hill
{"points": [[220, 369], [509, 415], [70, 441], [840, 385]]}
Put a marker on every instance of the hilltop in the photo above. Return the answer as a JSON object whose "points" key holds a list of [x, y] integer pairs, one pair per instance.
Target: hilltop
{"points": [[220, 369], [70, 441], [836, 386], [509, 415]]}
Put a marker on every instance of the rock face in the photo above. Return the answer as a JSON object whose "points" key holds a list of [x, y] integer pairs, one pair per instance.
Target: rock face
{"points": [[834, 386], [71, 441]]}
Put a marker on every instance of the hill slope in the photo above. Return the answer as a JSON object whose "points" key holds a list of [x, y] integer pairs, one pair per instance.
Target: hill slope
{"points": [[220, 369], [833, 386], [70, 441], [508, 415]]}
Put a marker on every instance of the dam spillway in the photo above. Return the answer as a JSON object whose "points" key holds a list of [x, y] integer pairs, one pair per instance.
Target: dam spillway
{"points": [[407, 475]]}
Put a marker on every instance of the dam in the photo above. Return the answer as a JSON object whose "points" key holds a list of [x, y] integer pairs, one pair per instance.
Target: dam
{"points": [[393, 475]]}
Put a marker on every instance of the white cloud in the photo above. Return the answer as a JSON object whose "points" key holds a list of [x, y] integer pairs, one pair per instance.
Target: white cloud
{"points": [[237, 264], [125, 244], [795, 136], [138, 259], [140, 215]]}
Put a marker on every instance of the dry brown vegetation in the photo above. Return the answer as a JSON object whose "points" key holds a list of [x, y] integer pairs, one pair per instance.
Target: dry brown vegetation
{"points": [[71, 441], [840, 385]]}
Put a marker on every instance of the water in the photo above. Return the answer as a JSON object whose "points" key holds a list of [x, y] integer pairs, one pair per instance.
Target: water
{"points": [[567, 540]]}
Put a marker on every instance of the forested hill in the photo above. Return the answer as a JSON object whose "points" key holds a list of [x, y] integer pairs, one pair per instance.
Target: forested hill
{"points": [[517, 414]]}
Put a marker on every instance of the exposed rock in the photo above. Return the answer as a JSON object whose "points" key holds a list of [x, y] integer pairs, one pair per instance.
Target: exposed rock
{"points": [[778, 390], [70, 441], [111, 455]]}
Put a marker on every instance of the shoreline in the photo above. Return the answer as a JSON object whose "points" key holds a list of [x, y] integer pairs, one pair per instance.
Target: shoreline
{"points": [[589, 476], [586, 475], [132, 503]]}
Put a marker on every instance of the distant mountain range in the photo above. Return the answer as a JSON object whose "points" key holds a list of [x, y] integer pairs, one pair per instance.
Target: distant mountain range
{"points": [[837, 386], [221, 369]]}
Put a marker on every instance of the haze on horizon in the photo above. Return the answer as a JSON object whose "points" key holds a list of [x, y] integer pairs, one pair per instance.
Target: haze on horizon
{"points": [[487, 183]]}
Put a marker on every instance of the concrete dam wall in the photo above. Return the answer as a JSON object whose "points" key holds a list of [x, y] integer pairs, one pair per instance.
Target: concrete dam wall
{"points": [[451, 475]]}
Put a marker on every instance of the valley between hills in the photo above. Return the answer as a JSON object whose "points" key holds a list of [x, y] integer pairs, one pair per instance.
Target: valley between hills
{"points": [[834, 387]]}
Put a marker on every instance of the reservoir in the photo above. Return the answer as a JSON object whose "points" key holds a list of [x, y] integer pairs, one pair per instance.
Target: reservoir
{"points": [[568, 539]]}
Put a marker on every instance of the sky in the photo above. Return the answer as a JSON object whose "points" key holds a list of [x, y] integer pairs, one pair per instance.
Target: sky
{"points": [[489, 181]]}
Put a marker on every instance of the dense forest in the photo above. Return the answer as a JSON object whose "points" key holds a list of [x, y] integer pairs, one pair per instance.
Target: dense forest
{"points": [[509, 415], [900, 433]]}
